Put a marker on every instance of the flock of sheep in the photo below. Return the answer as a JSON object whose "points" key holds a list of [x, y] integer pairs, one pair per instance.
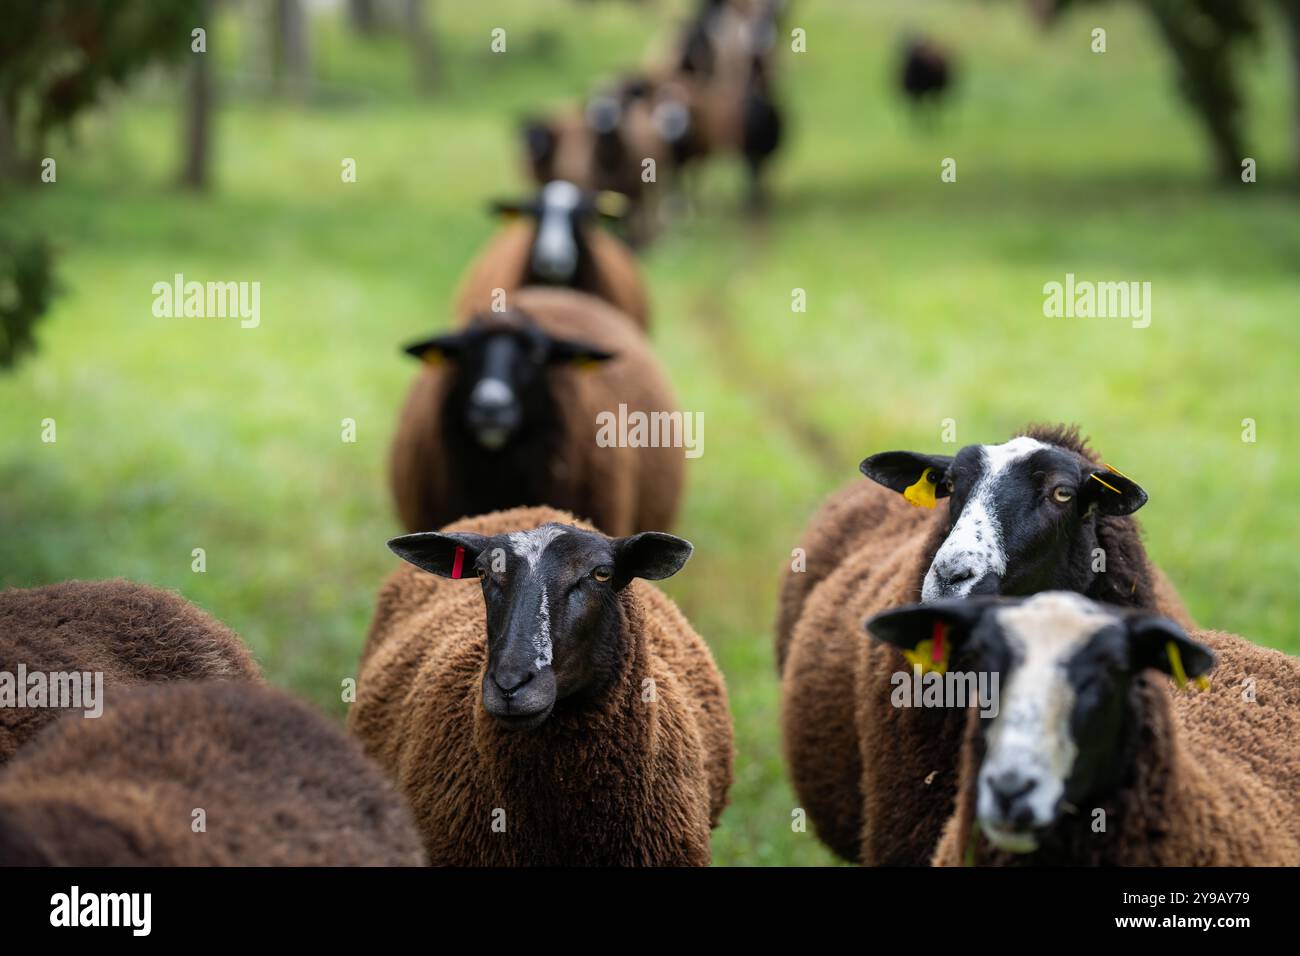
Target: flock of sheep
{"points": [[527, 695]]}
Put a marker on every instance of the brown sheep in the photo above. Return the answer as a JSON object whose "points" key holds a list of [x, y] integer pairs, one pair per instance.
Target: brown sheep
{"points": [[878, 782], [130, 633], [509, 416], [277, 785], [1093, 758], [561, 245], [561, 713]]}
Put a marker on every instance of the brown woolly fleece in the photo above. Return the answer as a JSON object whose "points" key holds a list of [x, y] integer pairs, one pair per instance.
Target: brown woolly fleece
{"points": [[620, 489], [503, 264], [131, 633], [1213, 780], [878, 781], [278, 785], [618, 780]]}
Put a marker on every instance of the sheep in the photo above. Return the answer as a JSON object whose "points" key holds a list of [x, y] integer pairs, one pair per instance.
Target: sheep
{"points": [[563, 713], [129, 633], [602, 148], [560, 246], [734, 98], [876, 782], [925, 73], [508, 415], [201, 773], [1092, 758]]}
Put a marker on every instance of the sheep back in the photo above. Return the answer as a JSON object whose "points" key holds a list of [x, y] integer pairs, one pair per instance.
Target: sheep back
{"points": [[277, 783], [131, 633], [620, 489], [625, 780], [503, 264]]}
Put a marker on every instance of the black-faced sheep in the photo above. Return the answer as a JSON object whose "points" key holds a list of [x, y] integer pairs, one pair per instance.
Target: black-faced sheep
{"points": [[561, 245], [558, 711], [128, 633], [208, 773], [1093, 758], [1039, 512], [511, 411]]}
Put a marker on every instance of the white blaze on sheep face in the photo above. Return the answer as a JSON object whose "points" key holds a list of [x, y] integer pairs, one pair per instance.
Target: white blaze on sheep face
{"points": [[555, 251], [1030, 749], [974, 548], [529, 546]]}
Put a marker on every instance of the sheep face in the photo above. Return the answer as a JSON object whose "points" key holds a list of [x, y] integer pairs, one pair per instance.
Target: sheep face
{"points": [[560, 253], [1022, 516], [555, 626], [499, 385], [1062, 734]]}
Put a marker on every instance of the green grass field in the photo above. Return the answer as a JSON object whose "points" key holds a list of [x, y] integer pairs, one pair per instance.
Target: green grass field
{"points": [[924, 303]]}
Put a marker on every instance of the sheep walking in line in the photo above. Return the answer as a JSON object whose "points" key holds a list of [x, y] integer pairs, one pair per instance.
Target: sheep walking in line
{"points": [[553, 709], [1094, 758], [1029, 515], [207, 773], [129, 633], [561, 245], [506, 411]]}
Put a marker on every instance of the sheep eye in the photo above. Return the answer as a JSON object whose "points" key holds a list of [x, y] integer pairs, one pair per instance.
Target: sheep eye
{"points": [[603, 574], [1062, 494]]}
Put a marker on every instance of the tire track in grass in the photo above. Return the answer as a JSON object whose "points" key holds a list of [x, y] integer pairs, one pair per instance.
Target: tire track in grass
{"points": [[716, 321]]}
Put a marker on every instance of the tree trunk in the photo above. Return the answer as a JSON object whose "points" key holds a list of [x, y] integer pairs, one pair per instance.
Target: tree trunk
{"points": [[424, 47], [291, 53], [198, 112], [1206, 80], [1291, 19]]}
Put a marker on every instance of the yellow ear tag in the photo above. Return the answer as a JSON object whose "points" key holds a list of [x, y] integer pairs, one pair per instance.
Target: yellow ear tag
{"points": [[932, 653], [431, 357], [584, 363], [1180, 674], [921, 494], [611, 203]]}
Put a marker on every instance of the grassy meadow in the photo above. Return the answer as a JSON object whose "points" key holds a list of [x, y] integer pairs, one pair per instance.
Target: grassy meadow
{"points": [[924, 303]]}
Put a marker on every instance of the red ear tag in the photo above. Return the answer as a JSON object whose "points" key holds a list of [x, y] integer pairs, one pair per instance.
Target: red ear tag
{"points": [[936, 645], [459, 562]]}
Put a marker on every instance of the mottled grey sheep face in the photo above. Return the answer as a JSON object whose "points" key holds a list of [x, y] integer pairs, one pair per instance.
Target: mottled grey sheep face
{"points": [[1022, 515], [499, 387], [1062, 734], [555, 623]]}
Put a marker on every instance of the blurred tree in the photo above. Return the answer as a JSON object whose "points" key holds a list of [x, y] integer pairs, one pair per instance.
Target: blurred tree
{"points": [[26, 286], [1291, 19], [57, 57], [424, 47], [196, 117], [291, 50], [1204, 37]]}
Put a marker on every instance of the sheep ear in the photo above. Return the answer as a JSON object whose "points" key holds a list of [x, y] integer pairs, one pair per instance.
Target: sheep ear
{"points": [[508, 208], [437, 348], [571, 351], [906, 627], [1151, 638], [611, 204], [1112, 492], [901, 470], [446, 555], [652, 555]]}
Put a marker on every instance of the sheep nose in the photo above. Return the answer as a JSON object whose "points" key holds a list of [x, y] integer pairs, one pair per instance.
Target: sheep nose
{"points": [[950, 575], [510, 681], [1009, 788], [491, 393]]}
